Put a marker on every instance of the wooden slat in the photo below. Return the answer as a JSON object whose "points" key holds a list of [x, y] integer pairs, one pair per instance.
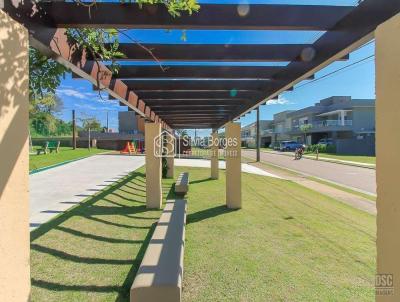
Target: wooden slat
{"points": [[214, 52], [238, 72], [210, 16]]}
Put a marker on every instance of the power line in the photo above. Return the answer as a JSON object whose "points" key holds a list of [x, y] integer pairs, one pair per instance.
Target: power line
{"points": [[336, 71]]}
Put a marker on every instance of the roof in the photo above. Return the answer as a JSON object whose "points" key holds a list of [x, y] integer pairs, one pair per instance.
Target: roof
{"points": [[196, 95]]}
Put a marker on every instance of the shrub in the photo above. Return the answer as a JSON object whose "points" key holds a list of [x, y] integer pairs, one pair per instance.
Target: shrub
{"points": [[164, 167], [321, 148]]}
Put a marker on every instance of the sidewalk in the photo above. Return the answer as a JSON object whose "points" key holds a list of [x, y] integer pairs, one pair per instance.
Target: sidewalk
{"points": [[322, 158]]}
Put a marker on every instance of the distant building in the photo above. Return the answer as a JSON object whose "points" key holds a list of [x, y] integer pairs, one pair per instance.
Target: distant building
{"points": [[130, 123], [350, 123], [131, 128], [248, 134]]}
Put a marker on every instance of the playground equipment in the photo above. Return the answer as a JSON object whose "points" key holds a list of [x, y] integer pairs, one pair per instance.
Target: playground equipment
{"points": [[133, 147]]}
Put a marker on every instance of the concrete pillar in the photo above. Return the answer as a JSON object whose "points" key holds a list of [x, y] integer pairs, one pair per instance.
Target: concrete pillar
{"points": [[258, 135], [153, 141], [14, 166], [387, 150], [342, 117], [170, 144], [233, 166], [214, 155]]}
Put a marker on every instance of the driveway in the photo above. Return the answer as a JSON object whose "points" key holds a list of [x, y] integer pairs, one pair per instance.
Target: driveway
{"points": [[55, 190], [361, 179]]}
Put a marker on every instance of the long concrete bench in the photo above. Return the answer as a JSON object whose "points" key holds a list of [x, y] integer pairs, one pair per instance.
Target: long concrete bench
{"points": [[159, 277], [182, 183]]}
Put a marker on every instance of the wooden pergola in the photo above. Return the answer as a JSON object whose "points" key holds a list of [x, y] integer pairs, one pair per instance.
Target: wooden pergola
{"points": [[210, 95], [192, 95]]}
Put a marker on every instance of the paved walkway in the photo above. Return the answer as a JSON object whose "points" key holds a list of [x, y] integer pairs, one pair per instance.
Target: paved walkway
{"points": [[361, 179], [204, 163], [55, 190]]}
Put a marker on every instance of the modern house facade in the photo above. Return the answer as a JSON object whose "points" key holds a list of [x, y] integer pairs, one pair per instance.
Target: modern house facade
{"points": [[350, 123], [249, 132]]}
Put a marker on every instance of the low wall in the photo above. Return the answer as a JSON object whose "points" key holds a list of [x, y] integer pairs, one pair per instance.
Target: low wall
{"points": [[64, 141], [365, 146]]}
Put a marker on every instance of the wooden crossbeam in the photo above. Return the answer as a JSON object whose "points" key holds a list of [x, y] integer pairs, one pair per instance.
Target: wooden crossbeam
{"points": [[215, 52], [210, 16]]}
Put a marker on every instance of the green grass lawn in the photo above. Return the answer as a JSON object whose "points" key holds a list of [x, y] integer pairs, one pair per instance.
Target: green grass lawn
{"points": [[358, 159], [66, 153], [288, 243]]}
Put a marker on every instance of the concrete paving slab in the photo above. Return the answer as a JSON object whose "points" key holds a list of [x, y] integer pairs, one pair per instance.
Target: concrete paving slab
{"points": [[55, 190], [204, 163]]}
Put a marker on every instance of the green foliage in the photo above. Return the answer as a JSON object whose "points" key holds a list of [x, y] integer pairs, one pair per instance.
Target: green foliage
{"points": [[321, 148], [48, 103], [175, 7], [305, 128], [44, 124], [44, 74], [94, 42], [181, 132], [92, 123], [164, 167]]}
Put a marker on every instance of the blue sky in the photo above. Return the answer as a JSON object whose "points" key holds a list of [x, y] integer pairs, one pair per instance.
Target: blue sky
{"points": [[357, 81]]}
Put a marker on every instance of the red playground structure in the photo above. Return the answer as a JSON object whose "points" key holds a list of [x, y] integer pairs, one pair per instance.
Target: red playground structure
{"points": [[133, 148]]}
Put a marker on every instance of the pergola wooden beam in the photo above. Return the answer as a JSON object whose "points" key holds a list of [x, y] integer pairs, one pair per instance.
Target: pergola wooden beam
{"points": [[210, 16], [53, 43], [202, 84], [216, 52], [199, 94], [197, 71]]}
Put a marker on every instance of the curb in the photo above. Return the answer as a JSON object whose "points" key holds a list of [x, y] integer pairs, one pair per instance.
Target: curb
{"points": [[354, 164]]}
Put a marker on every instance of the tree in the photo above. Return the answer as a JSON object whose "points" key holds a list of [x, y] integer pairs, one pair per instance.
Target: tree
{"points": [[48, 103], [44, 74], [305, 129], [91, 123], [181, 132]]}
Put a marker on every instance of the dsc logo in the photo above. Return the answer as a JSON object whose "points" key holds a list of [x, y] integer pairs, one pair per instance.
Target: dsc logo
{"points": [[384, 284]]}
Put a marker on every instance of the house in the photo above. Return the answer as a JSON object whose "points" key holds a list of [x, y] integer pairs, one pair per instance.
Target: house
{"points": [[350, 123], [249, 133]]}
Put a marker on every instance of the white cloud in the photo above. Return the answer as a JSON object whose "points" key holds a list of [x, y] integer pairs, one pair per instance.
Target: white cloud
{"points": [[71, 93], [279, 101]]}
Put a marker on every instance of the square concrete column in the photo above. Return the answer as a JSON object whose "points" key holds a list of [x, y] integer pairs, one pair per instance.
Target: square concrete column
{"points": [[153, 145], [170, 148], [14, 162], [233, 166], [214, 155], [388, 156]]}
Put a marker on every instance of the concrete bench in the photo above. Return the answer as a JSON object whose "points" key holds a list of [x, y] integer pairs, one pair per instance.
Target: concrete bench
{"points": [[159, 277], [182, 183]]}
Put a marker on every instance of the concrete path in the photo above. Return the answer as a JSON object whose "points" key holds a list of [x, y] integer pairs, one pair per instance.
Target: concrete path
{"points": [[204, 163], [55, 190], [361, 179]]}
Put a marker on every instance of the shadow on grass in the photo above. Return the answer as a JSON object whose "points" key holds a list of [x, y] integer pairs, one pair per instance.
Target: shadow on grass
{"points": [[201, 180], [96, 208], [87, 208], [208, 213]]}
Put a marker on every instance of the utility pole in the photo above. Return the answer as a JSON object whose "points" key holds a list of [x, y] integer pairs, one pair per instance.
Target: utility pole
{"points": [[73, 130], [258, 134], [107, 122]]}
